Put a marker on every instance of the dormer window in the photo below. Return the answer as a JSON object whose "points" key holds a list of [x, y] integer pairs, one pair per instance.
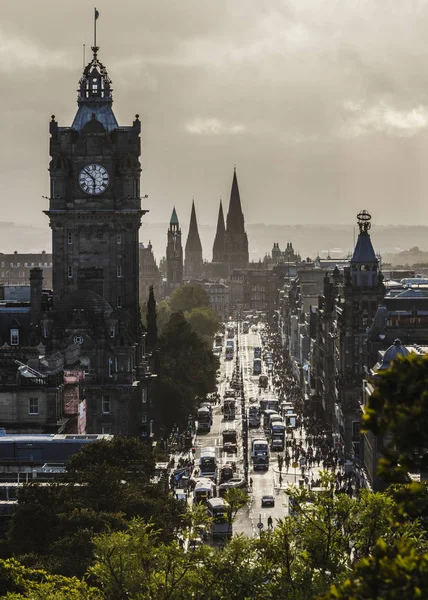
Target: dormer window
{"points": [[14, 337]]}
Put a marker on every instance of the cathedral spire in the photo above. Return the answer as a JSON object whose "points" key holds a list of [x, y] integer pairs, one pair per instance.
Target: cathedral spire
{"points": [[193, 240], [218, 246], [193, 263], [235, 218]]}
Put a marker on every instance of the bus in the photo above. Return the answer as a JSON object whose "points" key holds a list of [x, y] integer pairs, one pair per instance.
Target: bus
{"points": [[263, 381], [245, 327], [204, 419], [229, 352], [230, 331], [219, 512], [257, 366], [204, 490], [257, 352], [218, 340], [260, 454], [229, 408], [266, 418], [208, 463]]}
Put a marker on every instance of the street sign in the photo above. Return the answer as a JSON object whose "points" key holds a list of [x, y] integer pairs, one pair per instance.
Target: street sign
{"points": [[295, 465], [260, 525]]}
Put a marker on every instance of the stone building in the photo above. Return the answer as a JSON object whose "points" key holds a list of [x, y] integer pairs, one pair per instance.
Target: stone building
{"points": [[174, 255], [193, 262], [149, 274], [95, 215], [15, 268]]}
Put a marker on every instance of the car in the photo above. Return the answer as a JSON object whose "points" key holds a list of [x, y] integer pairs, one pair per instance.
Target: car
{"points": [[235, 482], [268, 501], [230, 447]]}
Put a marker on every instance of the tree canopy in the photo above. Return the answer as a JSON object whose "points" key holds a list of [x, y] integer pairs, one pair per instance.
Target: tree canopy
{"points": [[187, 297]]}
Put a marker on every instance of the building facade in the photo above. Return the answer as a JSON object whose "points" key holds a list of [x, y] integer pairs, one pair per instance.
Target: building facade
{"points": [[174, 255]]}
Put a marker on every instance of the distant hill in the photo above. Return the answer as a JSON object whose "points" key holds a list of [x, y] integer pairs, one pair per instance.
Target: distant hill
{"points": [[308, 240]]}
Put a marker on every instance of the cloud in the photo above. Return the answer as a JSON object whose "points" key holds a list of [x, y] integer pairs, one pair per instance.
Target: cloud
{"points": [[384, 119], [21, 53], [199, 126]]}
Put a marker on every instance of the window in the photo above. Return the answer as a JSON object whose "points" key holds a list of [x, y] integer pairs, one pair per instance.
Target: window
{"points": [[106, 405], [33, 406], [144, 395], [14, 337], [112, 331], [45, 332], [85, 364], [144, 418], [18, 265], [119, 238], [128, 365], [110, 367], [78, 339], [119, 270], [119, 302], [2, 265], [70, 272], [69, 238], [106, 429]]}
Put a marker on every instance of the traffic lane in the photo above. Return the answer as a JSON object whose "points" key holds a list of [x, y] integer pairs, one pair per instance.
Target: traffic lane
{"points": [[263, 485]]}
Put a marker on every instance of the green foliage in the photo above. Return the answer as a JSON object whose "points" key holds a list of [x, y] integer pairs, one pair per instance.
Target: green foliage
{"points": [[187, 371], [398, 412], [204, 321], [18, 582], [163, 312], [187, 297], [391, 572]]}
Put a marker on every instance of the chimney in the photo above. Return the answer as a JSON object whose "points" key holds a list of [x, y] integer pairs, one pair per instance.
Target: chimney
{"points": [[36, 287]]}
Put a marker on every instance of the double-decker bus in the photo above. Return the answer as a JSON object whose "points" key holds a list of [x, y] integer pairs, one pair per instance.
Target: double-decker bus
{"points": [[229, 408], [204, 419], [208, 463], [218, 510], [245, 327]]}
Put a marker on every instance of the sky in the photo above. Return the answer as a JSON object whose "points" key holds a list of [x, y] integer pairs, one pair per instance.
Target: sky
{"points": [[322, 105]]}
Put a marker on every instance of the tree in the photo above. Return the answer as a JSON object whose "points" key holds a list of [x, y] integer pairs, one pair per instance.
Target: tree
{"points": [[398, 412], [187, 371], [204, 321], [186, 297], [236, 499], [18, 583], [163, 315], [152, 330]]}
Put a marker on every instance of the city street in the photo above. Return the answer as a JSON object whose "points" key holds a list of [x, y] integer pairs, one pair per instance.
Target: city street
{"points": [[264, 482]]}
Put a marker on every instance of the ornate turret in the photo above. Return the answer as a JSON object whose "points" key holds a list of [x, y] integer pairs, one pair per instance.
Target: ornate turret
{"points": [[218, 246], [95, 95], [193, 264], [174, 254], [236, 241], [364, 263]]}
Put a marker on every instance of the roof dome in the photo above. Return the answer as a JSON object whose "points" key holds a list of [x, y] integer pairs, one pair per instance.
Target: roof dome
{"points": [[392, 354], [86, 300], [93, 126]]}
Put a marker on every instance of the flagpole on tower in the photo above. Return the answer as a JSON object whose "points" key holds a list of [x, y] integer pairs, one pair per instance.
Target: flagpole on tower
{"points": [[96, 15]]}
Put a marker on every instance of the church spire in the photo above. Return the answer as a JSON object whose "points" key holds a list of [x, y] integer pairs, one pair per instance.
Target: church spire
{"points": [[218, 246], [235, 218], [193, 240], [193, 263]]}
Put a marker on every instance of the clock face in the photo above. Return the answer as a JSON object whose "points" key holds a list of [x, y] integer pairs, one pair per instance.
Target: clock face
{"points": [[93, 179]]}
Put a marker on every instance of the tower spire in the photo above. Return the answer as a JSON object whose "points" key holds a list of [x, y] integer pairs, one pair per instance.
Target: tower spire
{"points": [[218, 246], [235, 218], [193, 264]]}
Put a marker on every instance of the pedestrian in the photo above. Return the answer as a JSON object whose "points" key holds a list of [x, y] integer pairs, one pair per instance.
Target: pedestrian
{"points": [[270, 522]]}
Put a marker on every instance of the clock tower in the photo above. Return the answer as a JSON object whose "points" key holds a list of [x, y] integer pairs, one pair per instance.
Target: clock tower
{"points": [[95, 216], [95, 206]]}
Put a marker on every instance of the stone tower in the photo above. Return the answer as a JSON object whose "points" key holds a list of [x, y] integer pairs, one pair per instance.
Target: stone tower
{"points": [[95, 216], [193, 263], [218, 246], [95, 206], [236, 241], [363, 292], [174, 254]]}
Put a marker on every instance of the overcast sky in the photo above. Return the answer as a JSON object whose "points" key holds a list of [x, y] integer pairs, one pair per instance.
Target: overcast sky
{"points": [[322, 105]]}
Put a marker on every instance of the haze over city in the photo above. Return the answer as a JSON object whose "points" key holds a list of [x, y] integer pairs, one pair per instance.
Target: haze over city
{"points": [[322, 106]]}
